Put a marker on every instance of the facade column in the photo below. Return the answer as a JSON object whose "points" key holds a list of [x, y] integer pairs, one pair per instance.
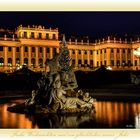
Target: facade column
{"points": [[57, 50], [29, 56], [99, 57], [44, 56], [76, 58], [88, 57], [70, 53], [36, 56], [121, 58], [108, 56], [21, 55], [126, 56], [13, 57], [115, 58], [103, 58], [82, 56], [51, 53], [5, 57], [132, 59], [94, 58]]}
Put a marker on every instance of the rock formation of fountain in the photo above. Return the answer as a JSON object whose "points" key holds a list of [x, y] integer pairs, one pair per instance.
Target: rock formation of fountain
{"points": [[56, 89]]}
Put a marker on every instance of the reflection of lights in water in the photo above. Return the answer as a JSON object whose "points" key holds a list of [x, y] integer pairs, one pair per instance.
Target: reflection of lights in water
{"points": [[108, 114], [137, 120]]}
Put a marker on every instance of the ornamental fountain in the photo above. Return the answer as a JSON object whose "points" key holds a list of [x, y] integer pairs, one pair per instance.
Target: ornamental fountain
{"points": [[56, 92]]}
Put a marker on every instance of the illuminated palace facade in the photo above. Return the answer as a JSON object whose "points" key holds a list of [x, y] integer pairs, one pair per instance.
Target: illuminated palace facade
{"points": [[33, 46]]}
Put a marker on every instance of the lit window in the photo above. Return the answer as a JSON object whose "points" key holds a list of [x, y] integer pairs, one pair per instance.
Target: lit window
{"points": [[97, 51], [9, 61], [105, 62], [48, 50], [25, 34], [25, 61], [40, 62], [85, 61], [112, 62], [40, 49], [118, 62], [17, 61], [79, 61], [40, 35], [32, 35], [33, 61], [73, 52], [123, 62], [47, 36], [101, 51], [1, 48], [73, 62], [54, 36], [91, 62], [135, 62], [91, 52], [54, 51], [26, 49], [17, 49], [1, 61], [129, 63], [9, 49], [33, 49]]}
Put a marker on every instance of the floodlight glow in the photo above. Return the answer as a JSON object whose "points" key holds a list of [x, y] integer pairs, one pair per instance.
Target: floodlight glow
{"points": [[109, 68], [137, 52]]}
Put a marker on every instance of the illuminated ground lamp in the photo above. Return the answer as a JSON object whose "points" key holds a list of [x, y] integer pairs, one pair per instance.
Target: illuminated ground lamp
{"points": [[137, 54]]}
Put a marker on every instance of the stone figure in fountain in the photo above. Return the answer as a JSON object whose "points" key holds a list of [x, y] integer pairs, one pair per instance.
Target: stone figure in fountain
{"points": [[56, 88]]}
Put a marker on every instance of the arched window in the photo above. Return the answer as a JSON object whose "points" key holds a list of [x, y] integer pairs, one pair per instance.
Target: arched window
{"points": [[41, 62], [9, 61], [17, 61], [1, 61], [25, 61], [33, 61]]}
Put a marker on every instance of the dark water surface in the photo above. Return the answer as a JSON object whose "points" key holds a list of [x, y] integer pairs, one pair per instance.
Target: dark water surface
{"points": [[109, 114]]}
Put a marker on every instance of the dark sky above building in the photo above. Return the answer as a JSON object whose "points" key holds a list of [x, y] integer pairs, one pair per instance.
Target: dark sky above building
{"points": [[76, 23]]}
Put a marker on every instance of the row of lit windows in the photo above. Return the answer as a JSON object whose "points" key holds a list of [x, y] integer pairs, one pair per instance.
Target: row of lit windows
{"points": [[39, 35], [118, 63], [9, 49], [18, 61], [32, 49], [112, 51], [80, 62], [91, 51], [85, 52]]}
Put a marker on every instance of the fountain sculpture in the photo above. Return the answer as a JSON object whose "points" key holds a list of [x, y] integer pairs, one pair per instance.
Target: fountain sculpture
{"points": [[56, 89]]}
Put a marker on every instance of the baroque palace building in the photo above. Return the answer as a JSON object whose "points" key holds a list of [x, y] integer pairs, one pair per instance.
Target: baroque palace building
{"points": [[33, 46]]}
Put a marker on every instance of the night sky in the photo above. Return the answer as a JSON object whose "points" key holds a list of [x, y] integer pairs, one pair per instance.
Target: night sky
{"points": [[76, 23]]}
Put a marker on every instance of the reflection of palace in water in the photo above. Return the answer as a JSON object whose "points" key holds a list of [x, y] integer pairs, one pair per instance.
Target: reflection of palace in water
{"points": [[116, 114], [137, 120], [108, 115], [32, 46]]}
